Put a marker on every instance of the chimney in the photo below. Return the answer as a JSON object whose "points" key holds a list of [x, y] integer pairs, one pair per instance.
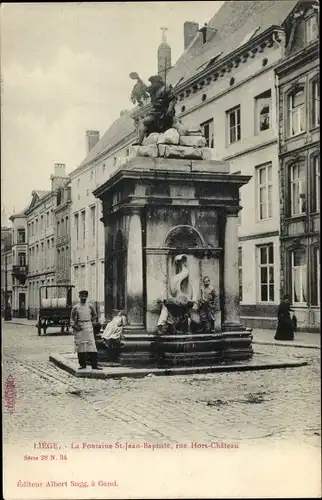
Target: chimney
{"points": [[207, 33], [92, 137], [190, 29], [59, 177], [59, 170]]}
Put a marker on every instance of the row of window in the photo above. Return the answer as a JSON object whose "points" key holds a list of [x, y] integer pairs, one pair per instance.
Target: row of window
{"points": [[63, 226], [299, 190], [296, 103], [42, 256], [21, 236], [63, 259], [263, 120], [299, 278], [299, 187], [80, 227], [21, 259], [39, 224], [296, 115], [116, 160], [300, 261], [89, 282]]}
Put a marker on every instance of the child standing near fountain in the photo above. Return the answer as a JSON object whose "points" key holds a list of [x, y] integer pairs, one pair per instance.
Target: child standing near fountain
{"points": [[207, 307]]}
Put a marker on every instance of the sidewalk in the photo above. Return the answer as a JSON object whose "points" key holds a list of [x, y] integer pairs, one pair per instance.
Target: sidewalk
{"points": [[301, 339], [21, 321]]}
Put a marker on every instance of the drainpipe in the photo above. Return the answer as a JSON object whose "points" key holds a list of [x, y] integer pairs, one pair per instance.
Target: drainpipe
{"points": [[277, 99]]}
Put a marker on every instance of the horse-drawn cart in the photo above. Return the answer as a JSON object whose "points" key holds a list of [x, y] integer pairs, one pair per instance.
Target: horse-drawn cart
{"points": [[55, 305]]}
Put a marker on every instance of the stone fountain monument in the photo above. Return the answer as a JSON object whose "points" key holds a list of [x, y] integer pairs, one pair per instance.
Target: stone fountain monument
{"points": [[170, 216]]}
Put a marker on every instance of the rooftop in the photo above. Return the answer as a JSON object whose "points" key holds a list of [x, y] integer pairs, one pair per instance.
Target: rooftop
{"points": [[236, 23], [41, 193], [119, 130]]}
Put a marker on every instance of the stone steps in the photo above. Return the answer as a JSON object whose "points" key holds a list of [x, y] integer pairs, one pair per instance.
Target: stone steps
{"points": [[145, 349]]}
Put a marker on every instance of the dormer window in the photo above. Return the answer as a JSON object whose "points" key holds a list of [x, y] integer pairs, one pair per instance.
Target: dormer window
{"points": [[311, 29]]}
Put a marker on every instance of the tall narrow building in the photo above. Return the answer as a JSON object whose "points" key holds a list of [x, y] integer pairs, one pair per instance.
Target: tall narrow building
{"points": [[164, 56], [298, 84]]}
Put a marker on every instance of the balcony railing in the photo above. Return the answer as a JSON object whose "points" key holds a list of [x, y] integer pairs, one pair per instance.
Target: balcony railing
{"points": [[19, 270]]}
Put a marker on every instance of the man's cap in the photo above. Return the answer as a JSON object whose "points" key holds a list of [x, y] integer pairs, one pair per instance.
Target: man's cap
{"points": [[83, 292]]}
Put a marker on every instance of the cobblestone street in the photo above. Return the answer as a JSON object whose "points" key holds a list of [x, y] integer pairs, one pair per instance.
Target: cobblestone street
{"points": [[249, 409], [241, 406]]}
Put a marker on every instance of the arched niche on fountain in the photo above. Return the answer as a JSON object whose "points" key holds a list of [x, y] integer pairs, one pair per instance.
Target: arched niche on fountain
{"points": [[184, 237], [186, 248]]}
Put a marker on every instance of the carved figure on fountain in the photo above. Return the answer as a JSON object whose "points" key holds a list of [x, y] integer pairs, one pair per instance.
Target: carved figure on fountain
{"points": [[139, 93], [163, 100], [161, 133], [175, 312]]}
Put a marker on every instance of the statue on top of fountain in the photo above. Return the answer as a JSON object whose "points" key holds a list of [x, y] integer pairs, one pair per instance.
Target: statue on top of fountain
{"points": [[163, 100]]}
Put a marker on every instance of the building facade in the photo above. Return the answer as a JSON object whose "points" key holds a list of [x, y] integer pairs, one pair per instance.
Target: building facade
{"points": [[19, 302], [41, 239], [6, 269], [299, 164], [87, 230], [62, 235], [103, 157], [226, 85]]}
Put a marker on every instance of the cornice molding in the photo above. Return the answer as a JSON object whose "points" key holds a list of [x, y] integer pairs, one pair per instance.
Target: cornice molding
{"points": [[298, 58], [222, 67], [40, 202]]}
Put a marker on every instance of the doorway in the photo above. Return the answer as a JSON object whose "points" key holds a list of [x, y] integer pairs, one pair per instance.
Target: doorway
{"points": [[22, 305]]}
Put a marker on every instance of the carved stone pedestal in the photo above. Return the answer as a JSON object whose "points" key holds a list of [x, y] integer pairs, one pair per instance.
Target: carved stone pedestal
{"points": [[160, 214]]}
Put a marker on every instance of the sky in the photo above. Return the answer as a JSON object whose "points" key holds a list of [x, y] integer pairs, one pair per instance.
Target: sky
{"points": [[65, 69]]}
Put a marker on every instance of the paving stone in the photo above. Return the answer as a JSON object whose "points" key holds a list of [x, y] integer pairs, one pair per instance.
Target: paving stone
{"points": [[238, 406]]}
